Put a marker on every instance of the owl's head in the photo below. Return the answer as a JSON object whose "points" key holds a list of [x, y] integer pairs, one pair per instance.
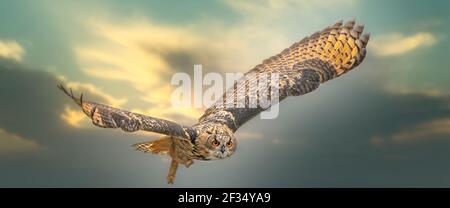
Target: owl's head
{"points": [[218, 140]]}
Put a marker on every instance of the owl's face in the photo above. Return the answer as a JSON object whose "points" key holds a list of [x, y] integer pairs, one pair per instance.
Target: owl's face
{"points": [[219, 142]]}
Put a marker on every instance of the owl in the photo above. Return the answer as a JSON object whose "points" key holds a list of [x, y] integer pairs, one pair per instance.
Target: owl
{"points": [[301, 69]]}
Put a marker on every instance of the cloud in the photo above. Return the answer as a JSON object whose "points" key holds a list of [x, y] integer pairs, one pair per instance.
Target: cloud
{"points": [[92, 90], [30, 100], [258, 6], [377, 140], [425, 130], [135, 54], [124, 53], [419, 132], [426, 91], [74, 117], [272, 7], [11, 143], [396, 44], [145, 55], [11, 50]]}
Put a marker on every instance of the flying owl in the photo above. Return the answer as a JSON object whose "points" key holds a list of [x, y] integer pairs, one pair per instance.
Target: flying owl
{"points": [[301, 68]]}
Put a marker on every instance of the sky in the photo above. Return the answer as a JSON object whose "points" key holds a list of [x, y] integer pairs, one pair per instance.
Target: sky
{"points": [[385, 124]]}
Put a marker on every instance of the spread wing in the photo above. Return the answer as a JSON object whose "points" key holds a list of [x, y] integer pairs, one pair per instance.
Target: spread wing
{"points": [[300, 69], [109, 117]]}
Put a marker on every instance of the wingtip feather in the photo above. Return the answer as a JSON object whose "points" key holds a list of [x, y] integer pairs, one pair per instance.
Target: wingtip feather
{"points": [[70, 94]]}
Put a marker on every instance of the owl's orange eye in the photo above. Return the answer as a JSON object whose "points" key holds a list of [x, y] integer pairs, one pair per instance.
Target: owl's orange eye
{"points": [[215, 143], [229, 144]]}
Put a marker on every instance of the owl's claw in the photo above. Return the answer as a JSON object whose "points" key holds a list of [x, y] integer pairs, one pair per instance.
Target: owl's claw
{"points": [[170, 179]]}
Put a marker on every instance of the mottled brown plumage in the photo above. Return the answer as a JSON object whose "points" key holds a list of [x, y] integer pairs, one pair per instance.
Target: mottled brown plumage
{"points": [[300, 69]]}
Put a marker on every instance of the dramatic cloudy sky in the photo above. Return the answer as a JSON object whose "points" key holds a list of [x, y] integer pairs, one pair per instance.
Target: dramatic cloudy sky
{"points": [[385, 124]]}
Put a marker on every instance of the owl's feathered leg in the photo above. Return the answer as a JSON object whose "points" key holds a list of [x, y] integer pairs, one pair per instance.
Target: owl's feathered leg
{"points": [[172, 172]]}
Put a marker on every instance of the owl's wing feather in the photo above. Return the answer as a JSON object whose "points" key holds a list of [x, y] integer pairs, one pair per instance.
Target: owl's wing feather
{"points": [[109, 117], [301, 68]]}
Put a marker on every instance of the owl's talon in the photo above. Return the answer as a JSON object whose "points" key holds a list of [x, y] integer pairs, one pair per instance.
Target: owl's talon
{"points": [[170, 179]]}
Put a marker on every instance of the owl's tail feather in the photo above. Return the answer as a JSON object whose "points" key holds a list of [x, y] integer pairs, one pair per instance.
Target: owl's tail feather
{"points": [[160, 146]]}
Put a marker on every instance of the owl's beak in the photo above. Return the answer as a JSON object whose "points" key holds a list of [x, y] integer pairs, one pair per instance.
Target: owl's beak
{"points": [[222, 149]]}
